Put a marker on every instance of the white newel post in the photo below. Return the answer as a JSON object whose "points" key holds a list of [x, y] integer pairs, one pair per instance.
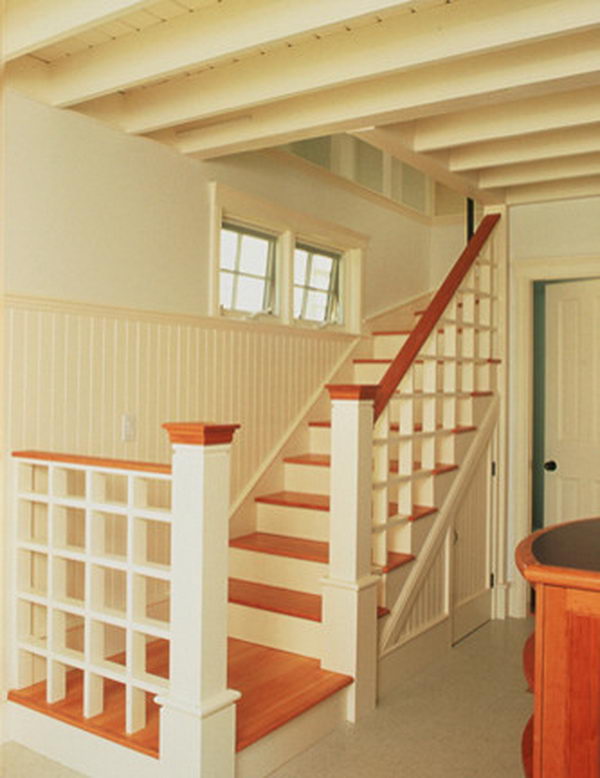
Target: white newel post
{"points": [[350, 590], [197, 724]]}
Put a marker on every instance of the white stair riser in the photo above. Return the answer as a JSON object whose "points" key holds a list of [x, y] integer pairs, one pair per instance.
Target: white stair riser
{"points": [[393, 582], [294, 522], [433, 490], [387, 346], [409, 536], [277, 630], [306, 478], [453, 448], [369, 372], [319, 440], [276, 570]]}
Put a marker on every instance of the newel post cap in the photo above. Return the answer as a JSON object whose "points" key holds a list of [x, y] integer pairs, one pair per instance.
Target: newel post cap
{"points": [[200, 433], [352, 391]]}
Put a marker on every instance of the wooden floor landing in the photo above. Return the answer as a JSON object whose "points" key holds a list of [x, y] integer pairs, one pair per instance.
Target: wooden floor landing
{"points": [[276, 687]]}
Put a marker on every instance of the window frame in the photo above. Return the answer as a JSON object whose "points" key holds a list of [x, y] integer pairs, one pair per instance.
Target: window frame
{"points": [[233, 206], [269, 305], [334, 296]]}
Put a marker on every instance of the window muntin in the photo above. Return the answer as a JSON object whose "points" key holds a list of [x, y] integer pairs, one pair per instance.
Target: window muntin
{"points": [[246, 270], [316, 285]]}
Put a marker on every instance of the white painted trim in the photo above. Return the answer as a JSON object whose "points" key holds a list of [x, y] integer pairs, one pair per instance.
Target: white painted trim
{"points": [[435, 538], [77, 308], [525, 272], [227, 202], [89, 754]]}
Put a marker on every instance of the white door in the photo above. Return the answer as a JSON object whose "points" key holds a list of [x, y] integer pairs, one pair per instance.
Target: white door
{"points": [[572, 412]]}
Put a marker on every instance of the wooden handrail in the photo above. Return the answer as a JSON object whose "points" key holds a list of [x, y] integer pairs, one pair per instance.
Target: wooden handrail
{"points": [[85, 461], [397, 370]]}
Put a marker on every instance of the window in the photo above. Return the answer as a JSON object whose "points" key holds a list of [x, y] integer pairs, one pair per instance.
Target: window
{"points": [[287, 266], [316, 285], [247, 270]]}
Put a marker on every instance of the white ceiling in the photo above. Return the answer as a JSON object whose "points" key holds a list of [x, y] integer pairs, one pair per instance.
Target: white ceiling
{"points": [[499, 99]]}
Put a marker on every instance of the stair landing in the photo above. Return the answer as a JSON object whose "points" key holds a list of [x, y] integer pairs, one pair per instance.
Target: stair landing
{"points": [[276, 687]]}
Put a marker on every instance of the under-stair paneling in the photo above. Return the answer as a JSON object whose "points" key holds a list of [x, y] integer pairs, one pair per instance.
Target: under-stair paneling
{"points": [[471, 593], [431, 604], [74, 370]]}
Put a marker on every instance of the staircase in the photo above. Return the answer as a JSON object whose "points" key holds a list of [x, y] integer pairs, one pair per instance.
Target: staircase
{"points": [[355, 554], [427, 429], [276, 572]]}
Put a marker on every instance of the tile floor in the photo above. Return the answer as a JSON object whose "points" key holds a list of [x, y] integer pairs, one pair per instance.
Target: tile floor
{"points": [[462, 718]]}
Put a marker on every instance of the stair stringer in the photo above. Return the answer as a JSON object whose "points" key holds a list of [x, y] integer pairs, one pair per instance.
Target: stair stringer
{"points": [[397, 633]]}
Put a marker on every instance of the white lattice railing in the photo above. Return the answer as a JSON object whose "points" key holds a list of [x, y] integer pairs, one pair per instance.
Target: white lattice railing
{"points": [[416, 430], [387, 441], [93, 582], [120, 603]]}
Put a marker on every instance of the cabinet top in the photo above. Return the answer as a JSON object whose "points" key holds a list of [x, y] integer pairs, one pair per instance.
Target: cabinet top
{"points": [[566, 554]]}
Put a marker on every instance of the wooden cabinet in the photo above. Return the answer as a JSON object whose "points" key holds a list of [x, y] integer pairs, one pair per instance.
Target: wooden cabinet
{"points": [[563, 563]]}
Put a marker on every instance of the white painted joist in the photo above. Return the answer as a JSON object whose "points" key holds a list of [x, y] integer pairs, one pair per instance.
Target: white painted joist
{"points": [[33, 24], [425, 92], [567, 109], [193, 41], [566, 189], [393, 142], [546, 170], [536, 146], [325, 66]]}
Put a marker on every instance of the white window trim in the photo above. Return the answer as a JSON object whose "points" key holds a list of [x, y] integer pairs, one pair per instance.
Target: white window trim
{"points": [[229, 204]]}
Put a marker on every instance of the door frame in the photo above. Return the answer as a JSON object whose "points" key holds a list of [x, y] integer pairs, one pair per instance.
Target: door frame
{"points": [[524, 273]]}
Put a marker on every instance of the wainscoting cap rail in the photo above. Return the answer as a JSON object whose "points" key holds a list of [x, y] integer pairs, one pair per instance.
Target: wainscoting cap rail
{"points": [[200, 433]]}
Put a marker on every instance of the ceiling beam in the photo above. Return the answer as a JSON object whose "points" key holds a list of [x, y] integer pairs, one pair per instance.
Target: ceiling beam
{"points": [[33, 24], [554, 190], [423, 92], [375, 51], [536, 114], [398, 147], [193, 41], [546, 170], [528, 148]]}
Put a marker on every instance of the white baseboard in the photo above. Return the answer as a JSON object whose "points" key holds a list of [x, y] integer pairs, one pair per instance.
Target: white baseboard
{"points": [[75, 748]]}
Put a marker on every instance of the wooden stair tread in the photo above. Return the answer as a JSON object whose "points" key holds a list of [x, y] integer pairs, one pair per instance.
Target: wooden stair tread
{"points": [[396, 559], [324, 460], [283, 545], [418, 427], [276, 687], [420, 511], [371, 361], [318, 502], [290, 602], [321, 460], [391, 332]]}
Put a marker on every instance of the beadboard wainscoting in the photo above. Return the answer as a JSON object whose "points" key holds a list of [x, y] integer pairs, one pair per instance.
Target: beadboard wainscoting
{"points": [[74, 371]]}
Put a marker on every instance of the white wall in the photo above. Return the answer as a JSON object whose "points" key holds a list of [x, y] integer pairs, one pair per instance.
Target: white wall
{"points": [[448, 240], [95, 216], [127, 218], [565, 228], [98, 218]]}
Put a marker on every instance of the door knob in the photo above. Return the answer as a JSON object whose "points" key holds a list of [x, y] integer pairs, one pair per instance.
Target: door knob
{"points": [[550, 465]]}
